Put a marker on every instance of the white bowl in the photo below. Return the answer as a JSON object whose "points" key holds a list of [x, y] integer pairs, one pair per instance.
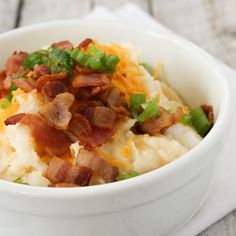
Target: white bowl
{"points": [[156, 203]]}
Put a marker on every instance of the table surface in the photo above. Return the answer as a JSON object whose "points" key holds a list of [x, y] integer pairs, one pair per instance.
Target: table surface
{"points": [[209, 23]]}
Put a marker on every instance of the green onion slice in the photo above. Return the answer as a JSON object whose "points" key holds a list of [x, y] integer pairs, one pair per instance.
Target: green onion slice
{"points": [[200, 121], [124, 175]]}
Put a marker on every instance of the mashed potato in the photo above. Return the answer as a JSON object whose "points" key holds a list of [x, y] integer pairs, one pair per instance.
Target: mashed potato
{"points": [[21, 162]]}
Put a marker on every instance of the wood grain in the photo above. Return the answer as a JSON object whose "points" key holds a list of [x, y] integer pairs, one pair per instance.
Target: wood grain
{"points": [[45, 10], [8, 14], [209, 23]]}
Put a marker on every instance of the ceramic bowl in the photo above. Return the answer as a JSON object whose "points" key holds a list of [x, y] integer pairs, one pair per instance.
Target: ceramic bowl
{"points": [[156, 203]]}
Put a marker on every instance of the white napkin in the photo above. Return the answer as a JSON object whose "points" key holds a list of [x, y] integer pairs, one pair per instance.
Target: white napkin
{"points": [[221, 199]]}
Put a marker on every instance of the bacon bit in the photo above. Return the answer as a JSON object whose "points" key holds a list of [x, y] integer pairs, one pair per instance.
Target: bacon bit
{"points": [[7, 83], [57, 113], [58, 170], [14, 63], [64, 45], [52, 89], [85, 43], [25, 84], [63, 185], [153, 126], [177, 116], [12, 120], [40, 70], [3, 91], [80, 126], [100, 116], [80, 175], [49, 139], [49, 78], [98, 137], [116, 100], [208, 110], [91, 80], [92, 160]]}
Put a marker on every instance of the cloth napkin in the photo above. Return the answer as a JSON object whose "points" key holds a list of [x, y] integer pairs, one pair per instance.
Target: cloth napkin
{"points": [[221, 199]]}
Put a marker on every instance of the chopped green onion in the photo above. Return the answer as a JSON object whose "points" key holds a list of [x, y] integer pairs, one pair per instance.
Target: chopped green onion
{"points": [[111, 62], [148, 68], [92, 50], [200, 121], [136, 101], [4, 103], [151, 111], [142, 110], [124, 175], [20, 181], [56, 59], [38, 57], [96, 62], [186, 119], [95, 59]]}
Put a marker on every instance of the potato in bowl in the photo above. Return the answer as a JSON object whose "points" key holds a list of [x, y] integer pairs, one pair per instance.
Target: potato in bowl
{"points": [[90, 114], [154, 203]]}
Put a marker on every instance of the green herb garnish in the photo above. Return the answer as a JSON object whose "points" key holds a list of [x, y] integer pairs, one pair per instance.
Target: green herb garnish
{"points": [[20, 181], [124, 175], [95, 59], [57, 60], [186, 119], [148, 68], [142, 110], [200, 121]]}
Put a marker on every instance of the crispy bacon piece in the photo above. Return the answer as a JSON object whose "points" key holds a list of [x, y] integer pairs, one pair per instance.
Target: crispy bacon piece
{"points": [[80, 129], [49, 78], [12, 120], [85, 43], [80, 126], [57, 113], [208, 110], [79, 175], [64, 45], [116, 100], [153, 126], [40, 70], [58, 170], [25, 84], [100, 116], [3, 91], [14, 63], [52, 89], [92, 160], [177, 116], [61, 171], [91, 80], [49, 139]]}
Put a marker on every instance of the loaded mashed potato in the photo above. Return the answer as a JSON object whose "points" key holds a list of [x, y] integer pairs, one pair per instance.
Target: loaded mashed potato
{"points": [[90, 114]]}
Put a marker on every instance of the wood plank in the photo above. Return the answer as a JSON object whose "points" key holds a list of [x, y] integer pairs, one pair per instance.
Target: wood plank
{"points": [[112, 5], [8, 13], [45, 10], [209, 23]]}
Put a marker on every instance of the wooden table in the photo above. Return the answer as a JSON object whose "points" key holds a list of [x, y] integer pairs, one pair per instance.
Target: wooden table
{"points": [[209, 23]]}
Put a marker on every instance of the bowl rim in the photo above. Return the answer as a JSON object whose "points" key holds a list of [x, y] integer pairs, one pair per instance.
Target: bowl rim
{"points": [[115, 187]]}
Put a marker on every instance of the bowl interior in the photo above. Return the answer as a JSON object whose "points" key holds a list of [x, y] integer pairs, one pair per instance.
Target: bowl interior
{"points": [[184, 69]]}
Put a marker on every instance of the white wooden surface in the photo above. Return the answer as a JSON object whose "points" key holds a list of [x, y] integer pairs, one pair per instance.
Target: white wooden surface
{"points": [[209, 23]]}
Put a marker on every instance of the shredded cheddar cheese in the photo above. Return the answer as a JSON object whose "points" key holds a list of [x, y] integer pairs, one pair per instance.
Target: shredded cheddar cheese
{"points": [[128, 77], [112, 160]]}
